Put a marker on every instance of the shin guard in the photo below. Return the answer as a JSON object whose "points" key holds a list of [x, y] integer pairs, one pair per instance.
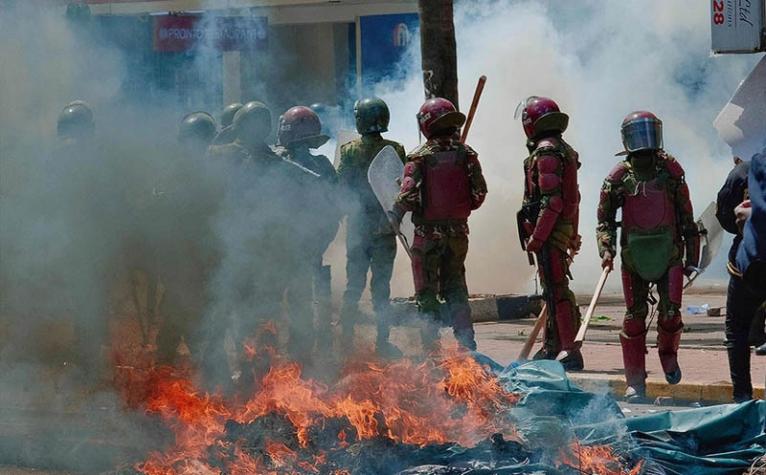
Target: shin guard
{"points": [[668, 342], [633, 340]]}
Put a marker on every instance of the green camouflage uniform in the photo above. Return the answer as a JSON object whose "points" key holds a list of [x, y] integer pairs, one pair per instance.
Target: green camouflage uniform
{"points": [[370, 241], [316, 217], [440, 248]]}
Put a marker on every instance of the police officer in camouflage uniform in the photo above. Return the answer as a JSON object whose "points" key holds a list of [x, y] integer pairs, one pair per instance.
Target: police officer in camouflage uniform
{"points": [[660, 243], [77, 151], [255, 201], [370, 242], [316, 216], [183, 208], [442, 184]]}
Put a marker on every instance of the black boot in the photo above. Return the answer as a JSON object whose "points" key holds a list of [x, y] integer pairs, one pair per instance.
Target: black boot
{"points": [[739, 368], [573, 361]]}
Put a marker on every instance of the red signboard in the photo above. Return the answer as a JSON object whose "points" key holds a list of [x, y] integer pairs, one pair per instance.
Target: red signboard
{"points": [[176, 33]]}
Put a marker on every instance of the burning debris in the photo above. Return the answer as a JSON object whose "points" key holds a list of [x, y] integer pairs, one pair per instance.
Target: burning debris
{"points": [[445, 414]]}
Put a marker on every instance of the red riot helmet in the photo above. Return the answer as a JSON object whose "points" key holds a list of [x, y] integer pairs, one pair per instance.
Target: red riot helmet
{"points": [[301, 125], [437, 115], [641, 130], [540, 115]]}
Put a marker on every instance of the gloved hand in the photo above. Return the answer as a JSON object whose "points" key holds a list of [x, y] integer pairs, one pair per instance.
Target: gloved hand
{"points": [[395, 218], [534, 245], [576, 245], [690, 270], [607, 261]]}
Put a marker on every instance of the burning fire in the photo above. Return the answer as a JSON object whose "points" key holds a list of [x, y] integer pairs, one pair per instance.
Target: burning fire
{"points": [[451, 399], [288, 423]]}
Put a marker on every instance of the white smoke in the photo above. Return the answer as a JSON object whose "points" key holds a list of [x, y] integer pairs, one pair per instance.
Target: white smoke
{"points": [[599, 60]]}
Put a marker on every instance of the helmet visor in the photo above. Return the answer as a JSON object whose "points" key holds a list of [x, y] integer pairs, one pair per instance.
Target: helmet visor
{"points": [[520, 109], [642, 134]]}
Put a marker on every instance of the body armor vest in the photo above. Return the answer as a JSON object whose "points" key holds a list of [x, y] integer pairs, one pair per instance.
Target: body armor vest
{"points": [[447, 190]]}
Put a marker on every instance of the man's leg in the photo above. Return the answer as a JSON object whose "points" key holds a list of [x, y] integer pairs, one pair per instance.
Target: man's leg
{"points": [[357, 264], [426, 256], [669, 324], [300, 341], [551, 344], [633, 335], [383, 254], [455, 291], [741, 306], [567, 314], [323, 304]]}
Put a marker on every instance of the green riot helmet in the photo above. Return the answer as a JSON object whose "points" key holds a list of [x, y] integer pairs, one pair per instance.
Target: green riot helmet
{"points": [[252, 123], [372, 116], [227, 116], [197, 128], [76, 121]]}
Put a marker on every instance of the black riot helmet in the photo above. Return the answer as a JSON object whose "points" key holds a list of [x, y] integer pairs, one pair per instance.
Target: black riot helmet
{"points": [[372, 115], [228, 113], [252, 123], [76, 121], [197, 128]]}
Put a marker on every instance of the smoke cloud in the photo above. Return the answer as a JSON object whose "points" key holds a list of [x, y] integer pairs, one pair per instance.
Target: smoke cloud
{"points": [[75, 234], [599, 60]]}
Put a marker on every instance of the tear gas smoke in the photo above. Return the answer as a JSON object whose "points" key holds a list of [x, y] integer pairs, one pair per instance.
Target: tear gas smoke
{"points": [[599, 60], [74, 234]]}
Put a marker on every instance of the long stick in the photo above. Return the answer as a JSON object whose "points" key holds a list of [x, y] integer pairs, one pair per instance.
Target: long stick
{"points": [[403, 241], [474, 106], [589, 314], [532, 338]]}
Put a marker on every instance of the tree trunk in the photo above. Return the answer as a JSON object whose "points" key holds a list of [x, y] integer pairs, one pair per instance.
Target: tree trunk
{"points": [[438, 49]]}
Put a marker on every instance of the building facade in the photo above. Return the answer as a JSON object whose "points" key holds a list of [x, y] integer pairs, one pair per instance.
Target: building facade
{"points": [[204, 54]]}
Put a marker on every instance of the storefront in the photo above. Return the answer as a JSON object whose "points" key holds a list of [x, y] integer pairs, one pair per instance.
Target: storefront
{"points": [[203, 54]]}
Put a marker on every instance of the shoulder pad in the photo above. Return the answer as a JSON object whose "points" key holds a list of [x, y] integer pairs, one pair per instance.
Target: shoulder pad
{"points": [[671, 164], [618, 172], [547, 144], [421, 150], [354, 143], [469, 150]]}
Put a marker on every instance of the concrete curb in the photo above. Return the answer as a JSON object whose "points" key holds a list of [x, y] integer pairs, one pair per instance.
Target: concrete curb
{"points": [[487, 308], [719, 393]]}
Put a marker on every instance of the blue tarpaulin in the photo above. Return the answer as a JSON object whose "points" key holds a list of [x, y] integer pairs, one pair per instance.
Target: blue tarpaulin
{"points": [[722, 439]]}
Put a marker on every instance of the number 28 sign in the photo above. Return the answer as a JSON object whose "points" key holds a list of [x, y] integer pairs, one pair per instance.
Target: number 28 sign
{"points": [[737, 25]]}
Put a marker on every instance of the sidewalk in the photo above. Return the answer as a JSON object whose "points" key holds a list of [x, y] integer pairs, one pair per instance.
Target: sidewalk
{"points": [[702, 356]]}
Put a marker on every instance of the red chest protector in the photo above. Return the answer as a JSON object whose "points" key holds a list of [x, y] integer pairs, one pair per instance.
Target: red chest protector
{"points": [[649, 228], [649, 208], [447, 190]]}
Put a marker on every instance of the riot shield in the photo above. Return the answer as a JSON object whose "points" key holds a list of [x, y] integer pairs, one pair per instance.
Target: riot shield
{"points": [[711, 236], [384, 175]]}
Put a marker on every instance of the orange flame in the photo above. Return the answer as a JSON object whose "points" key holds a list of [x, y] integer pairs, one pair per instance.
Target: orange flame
{"points": [[598, 460], [452, 399]]}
